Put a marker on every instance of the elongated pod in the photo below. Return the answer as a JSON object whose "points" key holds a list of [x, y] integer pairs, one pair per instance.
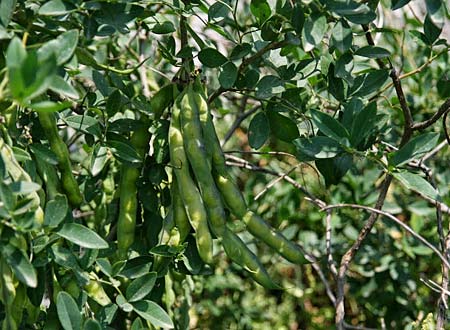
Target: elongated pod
{"points": [[189, 193], [69, 184]]}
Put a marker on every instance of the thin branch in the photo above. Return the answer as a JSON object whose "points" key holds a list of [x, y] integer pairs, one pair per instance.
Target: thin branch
{"points": [[274, 181], [397, 221], [409, 122], [350, 254], [443, 109], [239, 162], [331, 262], [238, 121]]}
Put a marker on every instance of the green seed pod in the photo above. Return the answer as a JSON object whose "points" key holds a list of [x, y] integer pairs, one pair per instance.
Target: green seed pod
{"points": [[126, 223], [195, 151], [69, 184], [189, 193], [241, 254]]}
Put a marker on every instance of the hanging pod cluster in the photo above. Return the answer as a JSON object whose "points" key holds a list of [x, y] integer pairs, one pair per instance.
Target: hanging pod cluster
{"points": [[202, 190]]}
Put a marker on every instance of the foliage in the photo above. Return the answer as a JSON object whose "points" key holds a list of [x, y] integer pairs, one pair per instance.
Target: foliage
{"points": [[321, 106]]}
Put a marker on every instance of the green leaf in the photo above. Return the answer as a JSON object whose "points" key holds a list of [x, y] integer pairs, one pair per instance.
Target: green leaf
{"points": [[373, 52], [62, 47], [415, 148], [313, 31], [124, 151], [24, 187], [282, 127], [260, 9], [124, 304], [136, 267], [49, 106], [416, 183], [68, 313], [329, 126], [336, 86], [269, 86], [84, 123], [318, 147], [6, 196], [240, 51], [163, 28], [21, 265], [92, 324], [298, 18], [82, 236], [141, 287], [341, 36], [153, 313], [6, 11], [21, 155], [44, 153], [334, 169], [430, 30], [363, 124], [15, 54], [99, 158], [258, 130], [397, 4], [211, 58], [61, 86], [355, 12], [228, 75], [218, 12], [369, 83], [56, 211]]}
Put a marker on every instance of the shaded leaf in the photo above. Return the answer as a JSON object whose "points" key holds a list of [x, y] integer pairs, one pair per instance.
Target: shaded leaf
{"points": [[373, 52], [313, 31], [329, 126], [20, 265], [211, 57], [284, 128], [258, 130], [317, 147]]}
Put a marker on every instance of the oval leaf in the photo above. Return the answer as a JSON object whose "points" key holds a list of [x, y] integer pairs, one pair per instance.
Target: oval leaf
{"points": [[141, 287], [153, 313], [211, 58], [282, 127], [373, 52], [21, 265], [418, 184], [68, 312], [415, 148], [56, 211], [258, 130], [82, 236]]}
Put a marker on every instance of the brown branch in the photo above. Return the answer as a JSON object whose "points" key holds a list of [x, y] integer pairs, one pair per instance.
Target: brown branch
{"points": [[331, 262], [350, 254], [397, 221], [443, 109]]}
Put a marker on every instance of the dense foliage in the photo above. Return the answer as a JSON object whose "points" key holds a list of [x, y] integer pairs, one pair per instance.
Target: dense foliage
{"points": [[332, 115]]}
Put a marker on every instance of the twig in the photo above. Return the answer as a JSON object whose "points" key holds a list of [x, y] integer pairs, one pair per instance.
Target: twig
{"points": [[274, 181], [443, 109], [350, 254], [238, 121], [331, 262], [239, 162], [397, 221]]}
